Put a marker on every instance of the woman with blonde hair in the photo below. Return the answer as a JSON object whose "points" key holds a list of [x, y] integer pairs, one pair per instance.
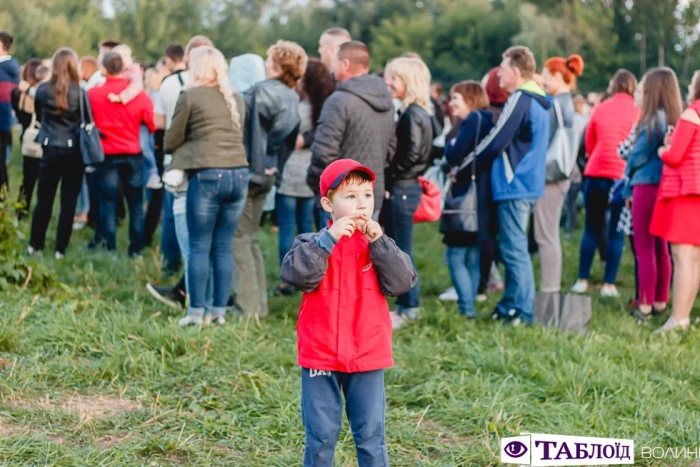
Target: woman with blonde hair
{"points": [[408, 79], [206, 141]]}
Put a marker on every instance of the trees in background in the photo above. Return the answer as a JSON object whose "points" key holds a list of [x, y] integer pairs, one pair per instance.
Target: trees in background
{"points": [[458, 39]]}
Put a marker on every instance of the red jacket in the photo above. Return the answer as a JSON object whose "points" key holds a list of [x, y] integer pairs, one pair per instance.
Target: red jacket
{"points": [[681, 172], [344, 322], [611, 122], [120, 124]]}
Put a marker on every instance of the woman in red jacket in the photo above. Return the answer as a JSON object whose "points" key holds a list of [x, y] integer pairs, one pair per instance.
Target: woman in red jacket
{"points": [[677, 206], [610, 124]]}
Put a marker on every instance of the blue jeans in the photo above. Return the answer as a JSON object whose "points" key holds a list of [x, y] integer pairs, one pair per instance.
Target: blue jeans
{"points": [[215, 202], [519, 294], [465, 270], [83, 206], [398, 219], [183, 239], [129, 170], [169, 248], [323, 218], [322, 415], [148, 150], [596, 192], [291, 212]]}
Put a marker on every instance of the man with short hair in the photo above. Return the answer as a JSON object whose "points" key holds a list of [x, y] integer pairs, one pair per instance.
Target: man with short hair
{"points": [[119, 127], [357, 121], [9, 79], [517, 148], [329, 42], [174, 57]]}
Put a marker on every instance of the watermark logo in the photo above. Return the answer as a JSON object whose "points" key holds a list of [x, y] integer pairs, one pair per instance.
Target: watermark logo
{"points": [[538, 449]]}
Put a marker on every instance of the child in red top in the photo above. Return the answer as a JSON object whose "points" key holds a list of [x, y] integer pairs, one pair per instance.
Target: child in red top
{"points": [[344, 328], [134, 75]]}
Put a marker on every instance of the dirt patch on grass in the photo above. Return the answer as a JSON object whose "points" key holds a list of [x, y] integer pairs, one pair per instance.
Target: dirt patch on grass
{"points": [[446, 436], [111, 440], [87, 407], [7, 429]]}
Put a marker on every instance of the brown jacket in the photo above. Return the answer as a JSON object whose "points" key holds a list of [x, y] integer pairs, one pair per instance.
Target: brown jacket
{"points": [[202, 134]]}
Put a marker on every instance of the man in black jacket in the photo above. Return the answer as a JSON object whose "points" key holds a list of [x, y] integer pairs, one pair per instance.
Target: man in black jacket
{"points": [[357, 121]]}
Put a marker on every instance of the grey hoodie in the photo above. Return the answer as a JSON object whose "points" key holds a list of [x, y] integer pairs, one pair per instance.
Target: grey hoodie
{"points": [[357, 122]]}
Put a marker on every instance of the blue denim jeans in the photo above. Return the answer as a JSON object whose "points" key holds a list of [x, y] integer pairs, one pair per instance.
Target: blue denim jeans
{"points": [[519, 294], [169, 247], [83, 206], [322, 415], [596, 192], [293, 212], [129, 170], [183, 239], [148, 150], [398, 214], [215, 202], [465, 270]]}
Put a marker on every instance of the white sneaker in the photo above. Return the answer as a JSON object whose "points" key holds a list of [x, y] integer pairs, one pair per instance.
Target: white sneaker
{"points": [[449, 295], [59, 255], [480, 298], [190, 320], [396, 320], [580, 286], [154, 182], [213, 319], [30, 250], [609, 291]]}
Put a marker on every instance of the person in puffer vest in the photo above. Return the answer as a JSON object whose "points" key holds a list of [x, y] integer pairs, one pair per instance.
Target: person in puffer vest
{"points": [[344, 330]]}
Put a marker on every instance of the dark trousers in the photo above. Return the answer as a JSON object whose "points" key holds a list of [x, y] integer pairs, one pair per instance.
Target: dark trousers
{"points": [[398, 220], [5, 146], [30, 174], [322, 415], [487, 255], [128, 170], [63, 165], [155, 203]]}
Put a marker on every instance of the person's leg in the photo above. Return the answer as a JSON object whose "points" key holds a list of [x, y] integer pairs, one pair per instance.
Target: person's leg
{"points": [[132, 180], [404, 201], [305, 215], [636, 269], [182, 234], [665, 269], [686, 279], [72, 175], [107, 182], [547, 224], [571, 207], [519, 295], [203, 205], [172, 257], [46, 192], [596, 202], [456, 259], [487, 256], [30, 172], [94, 192], [615, 245], [321, 414], [5, 142], [286, 213], [473, 260], [365, 406], [260, 277], [645, 245], [233, 192]]}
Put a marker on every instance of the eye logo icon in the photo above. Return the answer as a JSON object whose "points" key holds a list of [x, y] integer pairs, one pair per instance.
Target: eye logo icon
{"points": [[515, 449]]}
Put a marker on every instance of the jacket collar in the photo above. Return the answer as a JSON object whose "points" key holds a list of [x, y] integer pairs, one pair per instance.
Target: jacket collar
{"points": [[533, 87]]}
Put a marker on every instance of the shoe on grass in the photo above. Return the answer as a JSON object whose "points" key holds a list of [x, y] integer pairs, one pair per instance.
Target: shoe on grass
{"points": [[640, 316], [214, 319], [480, 298], [154, 182], [449, 295], [190, 320], [397, 321], [609, 291], [167, 295], [580, 287], [673, 325]]}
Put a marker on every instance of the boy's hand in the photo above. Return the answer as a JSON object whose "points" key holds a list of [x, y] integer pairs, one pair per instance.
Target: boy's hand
{"points": [[113, 97], [371, 229], [343, 227]]}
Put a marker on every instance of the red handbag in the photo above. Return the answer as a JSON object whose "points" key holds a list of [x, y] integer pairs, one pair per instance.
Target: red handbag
{"points": [[430, 207]]}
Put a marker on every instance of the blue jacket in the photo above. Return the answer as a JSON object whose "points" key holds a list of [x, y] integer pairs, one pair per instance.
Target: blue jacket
{"points": [[644, 165], [9, 78], [518, 144]]}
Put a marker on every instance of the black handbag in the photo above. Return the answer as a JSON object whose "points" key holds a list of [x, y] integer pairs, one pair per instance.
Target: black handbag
{"points": [[461, 213], [89, 136]]}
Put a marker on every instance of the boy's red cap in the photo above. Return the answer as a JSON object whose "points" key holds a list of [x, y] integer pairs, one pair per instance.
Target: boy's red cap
{"points": [[335, 173]]}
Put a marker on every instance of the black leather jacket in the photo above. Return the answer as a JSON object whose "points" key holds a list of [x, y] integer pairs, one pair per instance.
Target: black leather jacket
{"points": [[58, 129], [414, 141]]}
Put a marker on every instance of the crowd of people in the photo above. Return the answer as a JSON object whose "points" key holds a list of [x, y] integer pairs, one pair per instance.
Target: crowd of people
{"points": [[209, 146]]}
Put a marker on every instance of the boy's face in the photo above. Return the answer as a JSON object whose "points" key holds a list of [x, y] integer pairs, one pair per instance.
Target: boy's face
{"points": [[350, 199]]}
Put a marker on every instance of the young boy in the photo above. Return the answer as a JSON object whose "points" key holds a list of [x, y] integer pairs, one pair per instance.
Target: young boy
{"points": [[344, 328]]}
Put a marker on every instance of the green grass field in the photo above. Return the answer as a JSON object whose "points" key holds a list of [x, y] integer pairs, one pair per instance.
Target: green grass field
{"points": [[94, 372]]}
